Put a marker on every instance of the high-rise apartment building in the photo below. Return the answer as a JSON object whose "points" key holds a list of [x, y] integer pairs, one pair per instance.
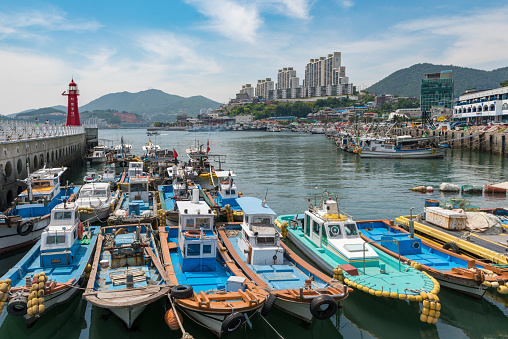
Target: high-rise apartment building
{"points": [[248, 89], [263, 87], [436, 94], [326, 76]]}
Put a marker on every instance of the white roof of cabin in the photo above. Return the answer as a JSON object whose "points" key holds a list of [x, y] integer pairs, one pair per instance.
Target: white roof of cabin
{"points": [[193, 208]]}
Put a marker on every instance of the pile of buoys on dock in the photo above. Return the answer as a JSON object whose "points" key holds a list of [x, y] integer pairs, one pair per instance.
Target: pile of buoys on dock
{"points": [[284, 230], [5, 287], [499, 285], [161, 216], [89, 210], [35, 303], [229, 213]]}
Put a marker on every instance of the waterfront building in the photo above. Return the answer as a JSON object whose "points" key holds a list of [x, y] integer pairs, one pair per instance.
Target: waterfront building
{"points": [[409, 112], [436, 94], [326, 77], [263, 87], [482, 106], [243, 119]]}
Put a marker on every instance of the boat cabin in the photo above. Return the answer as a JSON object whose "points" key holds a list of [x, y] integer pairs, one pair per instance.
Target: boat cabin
{"points": [[60, 241], [228, 190], [109, 173], [99, 153], [139, 195], [260, 240], [43, 184], [326, 227], [94, 192], [135, 169], [197, 241]]}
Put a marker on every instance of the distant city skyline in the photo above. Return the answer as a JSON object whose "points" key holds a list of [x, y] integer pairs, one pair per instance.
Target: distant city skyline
{"points": [[213, 47]]}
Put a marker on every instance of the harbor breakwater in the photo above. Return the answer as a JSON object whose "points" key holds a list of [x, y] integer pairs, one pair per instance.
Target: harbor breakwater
{"points": [[487, 140]]}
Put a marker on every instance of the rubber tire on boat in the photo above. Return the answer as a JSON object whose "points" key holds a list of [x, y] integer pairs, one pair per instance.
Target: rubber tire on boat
{"points": [[182, 291], [17, 306], [319, 301], [451, 247], [25, 223], [232, 322], [268, 305]]}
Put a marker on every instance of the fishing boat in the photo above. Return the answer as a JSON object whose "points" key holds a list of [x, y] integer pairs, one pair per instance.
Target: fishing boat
{"points": [[298, 288], [23, 223], [209, 288], [223, 198], [332, 241], [98, 155], [401, 147], [96, 201], [54, 269], [203, 172], [138, 204], [109, 173], [126, 273], [91, 176], [150, 148], [453, 231]]}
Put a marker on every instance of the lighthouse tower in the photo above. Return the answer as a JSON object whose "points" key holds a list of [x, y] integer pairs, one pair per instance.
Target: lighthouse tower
{"points": [[72, 105]]}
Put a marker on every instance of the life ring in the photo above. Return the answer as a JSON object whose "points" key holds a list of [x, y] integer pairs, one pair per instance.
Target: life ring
{"points": [[29, 227], [182, 291], [17, 306], [415, 245], [192, 234], [451, 247], [232, 322], [80, 230], [268, 305], [316, 307]]}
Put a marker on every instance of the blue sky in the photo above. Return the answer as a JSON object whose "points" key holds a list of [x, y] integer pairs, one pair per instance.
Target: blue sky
{"points": [[213, 47]]}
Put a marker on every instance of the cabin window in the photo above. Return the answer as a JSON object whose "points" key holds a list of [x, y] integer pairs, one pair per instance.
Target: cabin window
{"points": [[207, 249], [334, 231], [265, 240], [100, 193], [86, 193], [67, 215], [315, 227], [307, 225], [230, 192], [350, 230], [76, 215], [261, 221], [324, 239], [138, 187], [55, 239], [197, 223], [193, 250]]}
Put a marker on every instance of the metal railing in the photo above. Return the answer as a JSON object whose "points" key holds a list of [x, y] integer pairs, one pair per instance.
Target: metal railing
{"points": [[21, 130]]}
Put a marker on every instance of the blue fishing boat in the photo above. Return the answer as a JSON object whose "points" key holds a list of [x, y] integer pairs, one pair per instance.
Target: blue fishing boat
{"points": [[296, 287], [126, 272], [452, 270], [23, 223], [332, 241], [54, 269], [208, 287]]}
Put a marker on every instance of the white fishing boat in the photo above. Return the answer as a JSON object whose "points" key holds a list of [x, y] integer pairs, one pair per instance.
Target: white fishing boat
{"points": [[402, 147], [95, 201], [98, 155]]}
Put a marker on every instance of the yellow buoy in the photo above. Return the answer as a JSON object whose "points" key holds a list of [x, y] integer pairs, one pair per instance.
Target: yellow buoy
{"points": [[411, 297], [425, 311], [386, 294], [402, 296], [365, 289], [372, 292], [432, 305], [430, 296], [40, 293], [41, 300], [434, 321], [438, 307], [41, 286], [29, 311], [4, 287], [502, 289], [394, 295], [35, 309], [426, 303], [430, 320], [423, 318], [487, 283], [494, 284], [418, 298], [438, 314], [378, 293], [29, 304], [360, 287], [41, 308], [423, 295], [432, 313], [171, 320]]}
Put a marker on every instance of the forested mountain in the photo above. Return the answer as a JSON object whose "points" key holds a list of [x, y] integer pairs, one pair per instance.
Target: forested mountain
{"points": [[406, 82]]}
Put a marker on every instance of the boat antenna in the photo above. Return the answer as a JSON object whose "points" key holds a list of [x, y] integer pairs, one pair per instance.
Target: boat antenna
{"points": [[266, 194]]}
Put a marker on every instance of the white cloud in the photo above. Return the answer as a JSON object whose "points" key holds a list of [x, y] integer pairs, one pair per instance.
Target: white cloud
{"points": [[229, 18], [294, 8], [346, 4]]}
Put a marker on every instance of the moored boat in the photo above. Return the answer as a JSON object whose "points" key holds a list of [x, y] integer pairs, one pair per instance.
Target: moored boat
{"points": [[96, 201], [54, 269], [400, 148], [126, 272], [209, 288], [223, 197], [332, 241], [299, 289], [23, 223]]}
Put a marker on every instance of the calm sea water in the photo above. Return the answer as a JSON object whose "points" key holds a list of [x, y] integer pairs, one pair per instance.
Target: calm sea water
{"points": [[289, 169]]}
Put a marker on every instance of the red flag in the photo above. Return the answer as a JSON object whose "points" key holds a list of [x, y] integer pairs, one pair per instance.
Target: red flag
{"points": [[175, 155], [208, 146]]}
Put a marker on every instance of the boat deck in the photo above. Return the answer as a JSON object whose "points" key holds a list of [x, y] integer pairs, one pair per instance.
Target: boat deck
{"points": [[167, 197], [280, 277]]}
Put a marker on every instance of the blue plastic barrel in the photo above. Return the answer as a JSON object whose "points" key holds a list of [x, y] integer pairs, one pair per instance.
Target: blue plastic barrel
{"points": [[431, 203]]}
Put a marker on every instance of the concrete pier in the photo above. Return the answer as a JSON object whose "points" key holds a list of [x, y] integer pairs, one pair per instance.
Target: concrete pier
{"points": [[29, 145]]}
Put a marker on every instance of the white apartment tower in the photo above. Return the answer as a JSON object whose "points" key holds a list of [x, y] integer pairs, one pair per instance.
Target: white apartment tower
{"points": [[248, 89], [326, 76], [284, 77], [263, 87]]}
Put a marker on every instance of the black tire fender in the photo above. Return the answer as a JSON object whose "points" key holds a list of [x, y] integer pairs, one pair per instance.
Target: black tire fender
{"points": [[182, 291], [451, 247], [28, 224], [17, 306], [268, 305], [232, 322], [322, 300]]}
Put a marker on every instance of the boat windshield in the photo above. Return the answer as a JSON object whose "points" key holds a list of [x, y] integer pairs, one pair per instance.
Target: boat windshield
{"points": [[55, 239], [100, 193], [86, 193], [351, 230], [261, 221], [67, 215], [334, 231], [197, 223]]}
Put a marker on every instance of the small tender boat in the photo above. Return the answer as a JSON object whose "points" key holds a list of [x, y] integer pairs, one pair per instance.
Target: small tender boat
{"points": [[489, 188], [95, 201], [471, 189], [298, 288], [209, 289], [126, 272], [137, 205], [400, 148], [332, 241], [23, 223], [92, 176], [452, 270], [98, 155], [54, 269]]}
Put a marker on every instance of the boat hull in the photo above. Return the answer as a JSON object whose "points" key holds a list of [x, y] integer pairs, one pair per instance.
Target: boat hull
{"points": [[11, 240], [420, 154]]}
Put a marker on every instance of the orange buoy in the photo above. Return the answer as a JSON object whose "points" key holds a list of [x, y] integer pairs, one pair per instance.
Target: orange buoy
{"points": [[171, 320]]}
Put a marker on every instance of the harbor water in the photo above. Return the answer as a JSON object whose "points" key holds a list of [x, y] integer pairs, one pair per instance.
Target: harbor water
{"points": [[289, 170]]}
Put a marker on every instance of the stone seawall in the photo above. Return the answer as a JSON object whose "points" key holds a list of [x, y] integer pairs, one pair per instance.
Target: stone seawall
{"points": [[488, 142]]}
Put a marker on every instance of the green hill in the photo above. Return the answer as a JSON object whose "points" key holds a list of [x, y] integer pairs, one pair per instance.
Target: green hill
{"points": [[406, 82], [49, 113]]}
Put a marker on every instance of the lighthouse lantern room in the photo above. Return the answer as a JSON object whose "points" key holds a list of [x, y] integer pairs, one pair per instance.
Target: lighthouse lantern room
{"points": [[72, 105]]}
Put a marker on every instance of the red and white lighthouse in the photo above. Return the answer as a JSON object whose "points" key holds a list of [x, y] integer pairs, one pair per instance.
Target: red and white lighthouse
{"points": [[72, 105]]}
